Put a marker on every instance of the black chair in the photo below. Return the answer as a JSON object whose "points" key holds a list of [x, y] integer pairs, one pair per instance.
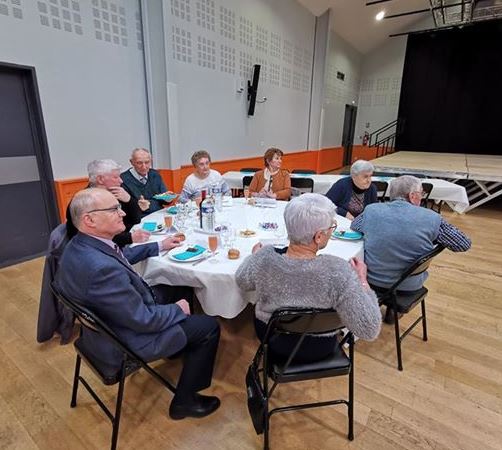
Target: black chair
{"points": [[402, 302], [304, 171], [249, 169], [300, 322], [107, 373], [246, 181], [426, 202], [381, 187], [301, 185], [385, 174]]}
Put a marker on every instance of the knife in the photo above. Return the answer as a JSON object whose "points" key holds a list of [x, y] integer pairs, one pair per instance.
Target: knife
{"points": [[203, 259]]}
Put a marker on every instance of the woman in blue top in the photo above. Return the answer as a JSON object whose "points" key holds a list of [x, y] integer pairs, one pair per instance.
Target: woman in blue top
{"points": [[352, 194]]}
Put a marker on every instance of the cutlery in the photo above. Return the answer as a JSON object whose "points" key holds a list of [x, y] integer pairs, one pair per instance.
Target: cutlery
{"points": [[203, 259]]}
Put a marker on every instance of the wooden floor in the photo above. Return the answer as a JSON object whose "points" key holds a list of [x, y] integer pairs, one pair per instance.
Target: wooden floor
{"points": [[448, 397]]}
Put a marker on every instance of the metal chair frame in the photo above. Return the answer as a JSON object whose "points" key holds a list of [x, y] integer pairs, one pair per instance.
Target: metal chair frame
{"points": [[303, 322], [131, 363], [391, 297]]}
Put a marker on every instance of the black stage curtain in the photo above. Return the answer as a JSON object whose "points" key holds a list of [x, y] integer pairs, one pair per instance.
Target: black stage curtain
{"points": [[451, 94]]}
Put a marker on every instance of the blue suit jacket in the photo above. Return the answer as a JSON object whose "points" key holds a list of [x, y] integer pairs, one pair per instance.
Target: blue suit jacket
{"points": [[341, 192], [92, 274]]}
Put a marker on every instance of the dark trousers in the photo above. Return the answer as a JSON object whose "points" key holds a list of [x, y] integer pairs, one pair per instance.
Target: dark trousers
{"points": [[202, 333], [312, 348]]}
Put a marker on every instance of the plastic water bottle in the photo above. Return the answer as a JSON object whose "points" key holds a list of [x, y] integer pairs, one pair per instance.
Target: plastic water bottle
{"points": [[207, 213], [218, 196]]}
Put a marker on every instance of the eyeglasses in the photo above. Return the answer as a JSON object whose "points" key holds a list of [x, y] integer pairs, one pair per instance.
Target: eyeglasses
{"points": [[116, 208], [421, 193], [330, 229]]}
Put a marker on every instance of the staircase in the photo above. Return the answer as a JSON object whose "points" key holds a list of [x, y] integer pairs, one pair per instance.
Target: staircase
{"points": [[384, 138]]}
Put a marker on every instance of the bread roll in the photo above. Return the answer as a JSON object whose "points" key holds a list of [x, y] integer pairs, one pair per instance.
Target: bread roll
{"points": [[180, 236], [233, 253]]}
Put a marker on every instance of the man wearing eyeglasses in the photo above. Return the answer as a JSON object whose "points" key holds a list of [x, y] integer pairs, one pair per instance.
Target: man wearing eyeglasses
{"points": [[398, 232], [94, 272]]}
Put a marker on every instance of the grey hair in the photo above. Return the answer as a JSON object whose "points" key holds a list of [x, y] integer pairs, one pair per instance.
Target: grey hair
{"points": [[82, 202], [307, 214], [100, 167], [140, 149], [404, 185], [361, 166]]}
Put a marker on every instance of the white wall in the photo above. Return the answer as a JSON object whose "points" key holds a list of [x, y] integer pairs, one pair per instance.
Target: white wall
{"points": [[92, 90], [342, 57], [381, 75], [210, 47]]}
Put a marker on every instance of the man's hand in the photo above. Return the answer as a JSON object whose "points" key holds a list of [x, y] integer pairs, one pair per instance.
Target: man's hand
{"points": [[271, 194], [120, 193], [139, 236], [256, 247], [143, 203], [170, 242], [361, 270], [185, 307]]}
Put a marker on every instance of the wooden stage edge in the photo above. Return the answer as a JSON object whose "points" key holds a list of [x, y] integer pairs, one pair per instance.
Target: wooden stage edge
{"points": [[480, 174]]}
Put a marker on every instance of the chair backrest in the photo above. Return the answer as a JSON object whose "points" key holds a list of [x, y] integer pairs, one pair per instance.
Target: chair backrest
{"points": [[92, 322], [427, 188], [301, 185], [246, 181], [303, 321], [305, 171], [381, 187], [249, 169], [418, 267]]}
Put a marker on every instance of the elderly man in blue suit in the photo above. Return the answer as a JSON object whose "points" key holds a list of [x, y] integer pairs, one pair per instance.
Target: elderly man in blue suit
{"points": [[95, 272]]}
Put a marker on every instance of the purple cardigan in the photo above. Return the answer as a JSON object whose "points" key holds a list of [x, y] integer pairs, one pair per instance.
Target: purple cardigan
{"points": [[341, 192]]}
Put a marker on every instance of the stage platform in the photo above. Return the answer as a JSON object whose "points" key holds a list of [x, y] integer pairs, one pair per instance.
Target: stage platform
{"points": [[480, 174]]}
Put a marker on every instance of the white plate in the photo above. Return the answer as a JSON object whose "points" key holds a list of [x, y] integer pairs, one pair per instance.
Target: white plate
{"points": [[178, 250]]}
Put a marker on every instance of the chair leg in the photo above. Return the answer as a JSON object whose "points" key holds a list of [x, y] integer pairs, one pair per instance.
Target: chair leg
{"points": [[398, 340], [351, 397], [76, 375], [118, 409], [266, 437], [424, 322]]}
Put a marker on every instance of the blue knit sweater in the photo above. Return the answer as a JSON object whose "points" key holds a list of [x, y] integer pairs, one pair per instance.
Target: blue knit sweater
{"points": [[341, 192]]}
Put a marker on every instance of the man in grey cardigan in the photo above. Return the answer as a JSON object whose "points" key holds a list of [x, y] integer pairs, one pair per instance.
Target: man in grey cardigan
{"points": [[398, 232]]}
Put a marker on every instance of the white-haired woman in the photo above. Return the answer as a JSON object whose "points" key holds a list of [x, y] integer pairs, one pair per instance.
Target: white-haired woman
{"points": [[352, 194], [301, 278]]}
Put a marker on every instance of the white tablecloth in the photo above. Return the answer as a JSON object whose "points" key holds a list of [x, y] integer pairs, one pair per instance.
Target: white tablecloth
{"points": [[215, 284], [454, 194]]}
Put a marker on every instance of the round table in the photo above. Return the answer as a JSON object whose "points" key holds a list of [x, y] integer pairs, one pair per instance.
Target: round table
{"points": [[214, 283]]}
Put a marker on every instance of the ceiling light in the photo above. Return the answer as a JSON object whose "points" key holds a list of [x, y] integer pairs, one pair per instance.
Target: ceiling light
{"points": [[380, 15]]}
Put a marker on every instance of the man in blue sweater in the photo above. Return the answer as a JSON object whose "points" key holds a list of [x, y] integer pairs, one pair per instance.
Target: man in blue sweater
{"points": [[142, 182], [398, 232]]}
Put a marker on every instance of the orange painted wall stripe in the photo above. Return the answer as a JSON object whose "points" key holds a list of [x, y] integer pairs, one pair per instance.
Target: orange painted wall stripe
{"points": [[323, 160]]}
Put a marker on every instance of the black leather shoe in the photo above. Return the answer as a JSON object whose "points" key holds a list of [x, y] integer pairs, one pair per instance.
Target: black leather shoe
{"points": [[202, 406]]}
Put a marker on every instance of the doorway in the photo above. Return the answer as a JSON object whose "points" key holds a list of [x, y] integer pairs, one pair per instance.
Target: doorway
{"points": [[26, 182], [349, 128]]}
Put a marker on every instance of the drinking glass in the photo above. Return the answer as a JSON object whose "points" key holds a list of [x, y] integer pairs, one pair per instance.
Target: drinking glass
{"points": [[168, 221], [246, 192], [226, 233], [212, 242]]}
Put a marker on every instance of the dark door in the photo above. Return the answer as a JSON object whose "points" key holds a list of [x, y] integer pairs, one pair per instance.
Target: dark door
{"points": [[349, 127], [28, 204]]}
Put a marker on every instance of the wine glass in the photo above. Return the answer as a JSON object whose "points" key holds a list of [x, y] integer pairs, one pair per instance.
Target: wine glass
{"points": [[226, 233], [246, 193], [212, 243]]}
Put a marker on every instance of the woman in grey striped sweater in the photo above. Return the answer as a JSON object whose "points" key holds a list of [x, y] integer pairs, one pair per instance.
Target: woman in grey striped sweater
{"points": [[300, 278]]}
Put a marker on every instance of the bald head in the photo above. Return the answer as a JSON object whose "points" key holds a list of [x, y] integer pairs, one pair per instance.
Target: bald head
{"points": [[97, 212]]}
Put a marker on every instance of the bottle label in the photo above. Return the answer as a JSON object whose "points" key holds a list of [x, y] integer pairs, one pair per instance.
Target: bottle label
{"points": [[207, 209]]}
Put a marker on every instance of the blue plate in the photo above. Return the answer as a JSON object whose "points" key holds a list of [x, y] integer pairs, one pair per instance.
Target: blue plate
{"points": [[347, 235], [172, 210], [165, 197]]}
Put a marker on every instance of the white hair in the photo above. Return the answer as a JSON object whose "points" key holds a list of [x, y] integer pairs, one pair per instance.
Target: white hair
{"points": [[100, 167], [138, 150], [361, 166], [307, 214], [82, 202], [404, 185]]}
